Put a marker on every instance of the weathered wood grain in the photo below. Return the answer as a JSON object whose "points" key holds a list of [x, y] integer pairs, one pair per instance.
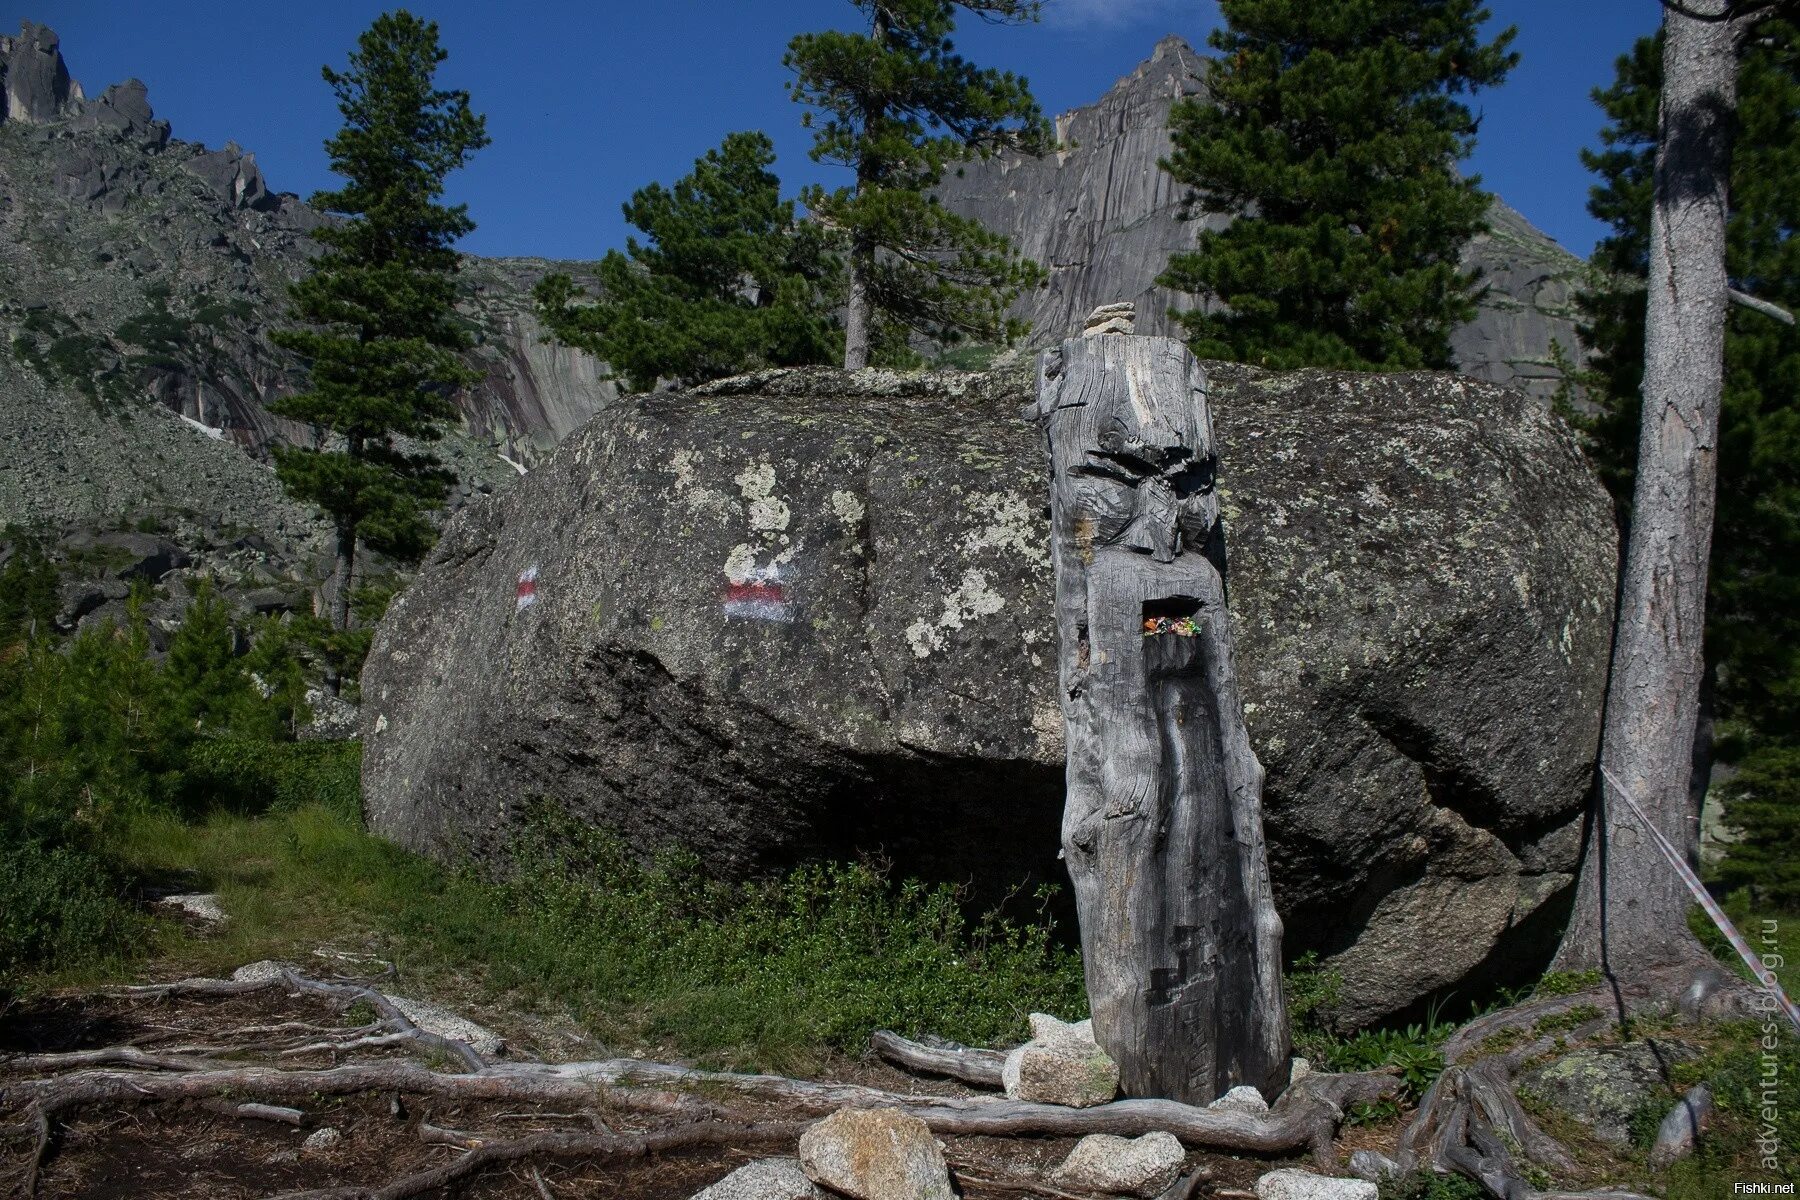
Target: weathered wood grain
{"points": [[1162, 829]]}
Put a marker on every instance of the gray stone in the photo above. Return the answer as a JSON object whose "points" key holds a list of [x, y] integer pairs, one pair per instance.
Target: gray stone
{"points": [[770, 1179], [322, 1139], [1243, 1098], [125, 555], [331, 718], [234, 175], [1140, 1166], [1680, 1130], [1373, 1165], [1103, 218], [1061, 1064], [803, 613], [435, 1018], [1294, 1184], [876, 1154], [202, 906], [124, 108], [37, 81], [1605, 1087]]}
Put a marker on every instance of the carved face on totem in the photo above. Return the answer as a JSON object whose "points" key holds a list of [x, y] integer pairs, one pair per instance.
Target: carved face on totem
{"points": [[1141, 477]]}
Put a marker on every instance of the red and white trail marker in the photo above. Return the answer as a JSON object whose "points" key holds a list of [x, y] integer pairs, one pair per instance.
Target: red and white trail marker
{"points": [[759, 597], [525, 595]]}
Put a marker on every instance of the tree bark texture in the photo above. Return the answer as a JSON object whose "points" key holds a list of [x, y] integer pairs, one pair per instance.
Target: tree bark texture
{"points": [[857, 315], [1162, 829], [1630, 907]]}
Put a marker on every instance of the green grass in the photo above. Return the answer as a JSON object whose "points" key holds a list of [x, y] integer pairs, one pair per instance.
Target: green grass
{"points": [[767, 975]]}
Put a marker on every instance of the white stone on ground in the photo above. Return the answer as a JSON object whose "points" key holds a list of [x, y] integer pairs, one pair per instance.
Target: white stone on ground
{"points": [[1293, 1184], [203, 905], [1681, 1128], [1120, 1166], [1061, 1064], [435, 1018], [1242, 1098], [323, 1139], [1373, 1165], [260, 971], [1299, 1069], [769, 1179], [876, 1154]]}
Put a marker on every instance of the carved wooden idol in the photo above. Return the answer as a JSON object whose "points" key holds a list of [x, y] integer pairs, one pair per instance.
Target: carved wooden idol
{"points": [[1163, 825]]}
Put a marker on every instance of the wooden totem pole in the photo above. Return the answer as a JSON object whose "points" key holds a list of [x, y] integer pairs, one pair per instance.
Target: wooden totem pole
{"points": [[1162, 829]]}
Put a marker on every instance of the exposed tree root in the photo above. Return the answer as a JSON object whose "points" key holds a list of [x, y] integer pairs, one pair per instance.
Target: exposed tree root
{"points": [[346, 992], [1471, 1122], [589, 1147], [1305, 1118]]}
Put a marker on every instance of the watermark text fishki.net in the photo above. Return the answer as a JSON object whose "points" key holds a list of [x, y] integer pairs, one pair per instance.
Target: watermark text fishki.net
{"points": [[1769, 1098]]}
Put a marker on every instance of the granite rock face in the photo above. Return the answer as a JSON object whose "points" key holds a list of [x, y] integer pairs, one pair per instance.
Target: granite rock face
{"points": [[1103, 219], [35, 78], [1605, 1087], [141, 271], [808, 613]]}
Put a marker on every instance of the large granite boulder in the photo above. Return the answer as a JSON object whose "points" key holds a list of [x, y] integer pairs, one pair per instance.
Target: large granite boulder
{"points": [[805, 612]]}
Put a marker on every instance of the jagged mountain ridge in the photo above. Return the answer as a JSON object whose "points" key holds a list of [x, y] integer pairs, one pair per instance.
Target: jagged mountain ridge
{"points": [[137, 267], [1103, 219]]}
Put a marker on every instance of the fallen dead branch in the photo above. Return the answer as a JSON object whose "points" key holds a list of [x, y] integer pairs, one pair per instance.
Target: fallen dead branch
{"points": [[589, 1147], [346, 992], [1304, 1119], [978, 1067]]}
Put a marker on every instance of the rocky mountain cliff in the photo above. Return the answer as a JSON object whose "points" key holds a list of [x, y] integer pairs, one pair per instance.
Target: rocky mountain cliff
{"points": [[1103, 218], [140, 270]]}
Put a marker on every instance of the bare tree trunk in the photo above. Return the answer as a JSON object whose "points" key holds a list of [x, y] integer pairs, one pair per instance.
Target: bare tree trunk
{"points": [[857, 315], [1630, 908], [346, 576], [1162, 829]]}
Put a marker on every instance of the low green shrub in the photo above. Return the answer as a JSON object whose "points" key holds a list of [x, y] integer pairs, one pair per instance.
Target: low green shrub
{"points": [[60, 906], [1427, 1185], [649, 955], [821, 956], [258, 775]]}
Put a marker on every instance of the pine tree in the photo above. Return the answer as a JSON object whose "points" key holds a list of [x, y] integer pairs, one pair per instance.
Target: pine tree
{"points": [[1753, 599], [1335, 130], [898, 106], [727, 280], [381, 343]]}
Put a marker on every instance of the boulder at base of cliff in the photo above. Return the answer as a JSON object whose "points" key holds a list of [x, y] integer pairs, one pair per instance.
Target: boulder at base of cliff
{"points": [[808, 613]]}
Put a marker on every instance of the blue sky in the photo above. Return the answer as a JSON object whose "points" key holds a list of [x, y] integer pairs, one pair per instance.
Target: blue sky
{"points": [[589, 99]]}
